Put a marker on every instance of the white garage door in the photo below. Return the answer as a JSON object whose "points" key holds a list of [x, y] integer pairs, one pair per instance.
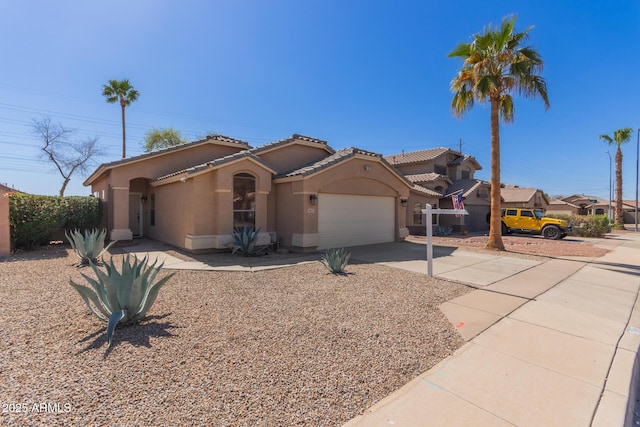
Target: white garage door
{"points": [[348, 220]]}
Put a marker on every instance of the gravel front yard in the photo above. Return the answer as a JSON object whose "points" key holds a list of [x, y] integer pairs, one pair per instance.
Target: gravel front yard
{"points": [[294, 346]]}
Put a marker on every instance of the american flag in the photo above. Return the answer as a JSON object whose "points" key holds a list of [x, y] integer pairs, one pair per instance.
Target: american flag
{"points": [[458, 202]]}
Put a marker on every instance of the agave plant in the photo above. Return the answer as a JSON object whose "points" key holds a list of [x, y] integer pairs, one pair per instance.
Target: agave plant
{"points": [[245, 241], [88, 246], [336, 260], [121, 297]]}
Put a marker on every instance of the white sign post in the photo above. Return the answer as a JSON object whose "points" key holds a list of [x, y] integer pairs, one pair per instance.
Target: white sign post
{"points": [[429, 211]]}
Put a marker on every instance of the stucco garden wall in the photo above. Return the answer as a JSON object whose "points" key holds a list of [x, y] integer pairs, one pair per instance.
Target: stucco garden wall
{"points": [[5, 237]]}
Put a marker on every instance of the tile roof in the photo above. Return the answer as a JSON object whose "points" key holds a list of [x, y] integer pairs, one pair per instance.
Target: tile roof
{"points": [[517, 194], [427, 177], [208, 138], [416, 156], [213, 163], [562, 203], [336, 157], [459, 160], [292, 138], [467, 186], [426, 191]]}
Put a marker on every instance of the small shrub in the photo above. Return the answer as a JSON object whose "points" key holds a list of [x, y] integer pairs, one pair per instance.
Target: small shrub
{"points": [[586, 225], [90, 246], [336, 260], [442, 230], [245, 241], [121, 297]]}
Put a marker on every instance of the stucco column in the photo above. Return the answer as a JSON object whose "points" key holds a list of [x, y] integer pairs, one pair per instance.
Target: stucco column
{"points": [[5, 237], [120, 203]]}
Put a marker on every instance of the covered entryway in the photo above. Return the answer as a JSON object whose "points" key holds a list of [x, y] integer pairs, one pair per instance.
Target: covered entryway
{"points": [[350, 220], [135, 214]]}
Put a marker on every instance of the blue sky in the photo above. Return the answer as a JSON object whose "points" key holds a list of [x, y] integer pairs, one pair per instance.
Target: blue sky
{"points": [[370, 74]]}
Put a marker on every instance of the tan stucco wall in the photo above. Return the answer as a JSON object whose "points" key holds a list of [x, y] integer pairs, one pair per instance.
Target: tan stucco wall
{"points": [[5, 236], [291, 156], [201, 208], [297, 215], [119, 181]]}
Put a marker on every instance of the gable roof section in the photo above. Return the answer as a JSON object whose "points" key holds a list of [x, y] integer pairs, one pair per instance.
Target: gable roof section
{"points": [[425, 190], [213, 164], [306, 140], [466, 186], [416, 156], [517, 194], [558, 202], [210, 139], [338, 157], [466, 158], [427, 177], [6, 189]]}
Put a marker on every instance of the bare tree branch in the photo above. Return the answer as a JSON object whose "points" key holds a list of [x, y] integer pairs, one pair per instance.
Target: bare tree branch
{"points": [[67, 156]]}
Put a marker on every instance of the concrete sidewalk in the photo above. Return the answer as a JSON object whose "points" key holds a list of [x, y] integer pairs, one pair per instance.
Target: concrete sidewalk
{"points": [[559, 346]]}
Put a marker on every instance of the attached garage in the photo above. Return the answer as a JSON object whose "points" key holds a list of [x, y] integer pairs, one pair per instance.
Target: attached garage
{"points": [[352, 220]]}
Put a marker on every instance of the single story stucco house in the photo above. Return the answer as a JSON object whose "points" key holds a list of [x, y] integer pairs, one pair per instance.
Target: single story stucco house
{"points": [[298, 191]]}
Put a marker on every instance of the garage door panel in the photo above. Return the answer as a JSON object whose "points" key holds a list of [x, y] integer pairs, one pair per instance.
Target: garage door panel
{"points": [[349, 220]]}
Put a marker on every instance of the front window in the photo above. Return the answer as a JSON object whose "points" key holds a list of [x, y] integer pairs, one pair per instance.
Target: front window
{"points": [[539, 214], [244, 200], [417, 213]]}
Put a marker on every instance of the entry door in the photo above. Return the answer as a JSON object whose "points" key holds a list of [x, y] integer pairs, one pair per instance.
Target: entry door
{"points": [[135, 214]]}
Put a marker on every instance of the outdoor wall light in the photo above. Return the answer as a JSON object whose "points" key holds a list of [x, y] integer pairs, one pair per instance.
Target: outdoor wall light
{"points": [[403, 202], [367, 168], [313, 199], [143, 199], [183, 179]]}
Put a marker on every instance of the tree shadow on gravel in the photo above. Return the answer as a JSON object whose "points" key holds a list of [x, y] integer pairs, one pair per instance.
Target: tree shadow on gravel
{"points": [[138, 335]]}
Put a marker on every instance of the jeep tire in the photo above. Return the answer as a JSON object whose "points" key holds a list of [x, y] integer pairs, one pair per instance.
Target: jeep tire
{"points": [[505, 229], [552, 232]]}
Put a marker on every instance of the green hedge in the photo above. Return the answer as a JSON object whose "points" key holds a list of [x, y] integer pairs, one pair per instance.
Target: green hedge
{"points": [[33, 219], [83, 213]]}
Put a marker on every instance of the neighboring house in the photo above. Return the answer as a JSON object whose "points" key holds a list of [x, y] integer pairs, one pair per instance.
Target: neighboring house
{"points": [[587, 205], [560, 207], [437, 174], [514, 196], [298, 191], [629, 208]]}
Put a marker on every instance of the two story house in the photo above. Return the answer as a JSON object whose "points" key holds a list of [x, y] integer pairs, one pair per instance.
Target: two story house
{"points": [[437, 174]]}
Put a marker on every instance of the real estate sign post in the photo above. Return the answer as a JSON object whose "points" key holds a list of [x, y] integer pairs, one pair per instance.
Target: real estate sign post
{"points": [[429, 211]]}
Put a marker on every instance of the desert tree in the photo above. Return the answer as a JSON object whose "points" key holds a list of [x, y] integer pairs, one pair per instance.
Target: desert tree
{"points": [[66, 153], [157, 139], [620, 136], [122, 92], [496, 65]]}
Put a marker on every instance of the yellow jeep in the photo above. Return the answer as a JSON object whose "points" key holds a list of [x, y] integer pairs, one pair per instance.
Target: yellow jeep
{"points": [[532, 221]]}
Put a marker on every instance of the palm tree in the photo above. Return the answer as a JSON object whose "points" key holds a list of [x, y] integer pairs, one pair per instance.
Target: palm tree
{"points": [[120, 91], [620, 137], [496, 64]]}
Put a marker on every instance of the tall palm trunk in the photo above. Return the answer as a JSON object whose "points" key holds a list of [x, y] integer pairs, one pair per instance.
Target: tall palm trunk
{"points": [[124, 135], [619, 212], [495, 227]]}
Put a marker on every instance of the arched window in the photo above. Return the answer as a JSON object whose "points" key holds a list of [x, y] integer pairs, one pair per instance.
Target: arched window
{"points": [[244, 200], [599, 211]]}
